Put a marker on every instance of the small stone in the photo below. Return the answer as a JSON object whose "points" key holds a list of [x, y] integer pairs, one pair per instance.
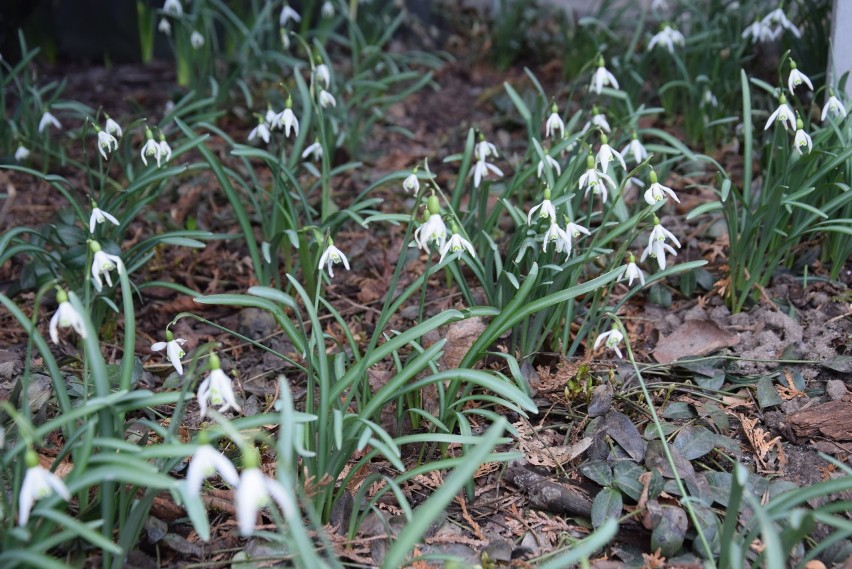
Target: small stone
{"points": [[836, 389], [256, 324]]}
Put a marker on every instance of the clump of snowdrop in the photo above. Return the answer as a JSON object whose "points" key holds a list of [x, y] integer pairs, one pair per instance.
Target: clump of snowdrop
{"points": [[610, 339], [802, 139], [667, 37], [332, 256], [657, 192], [482, 168], [602, 78], [631, 272], [66, 316], [216, 389], [797, 78], [657, 246], [47, 119], [102, 264], [433, 230], [174, 351], [783, 114], [39, 483], [99, 216]]}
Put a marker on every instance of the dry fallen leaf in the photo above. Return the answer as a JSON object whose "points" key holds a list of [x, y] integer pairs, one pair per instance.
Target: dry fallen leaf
{"points": [[693, 338]]}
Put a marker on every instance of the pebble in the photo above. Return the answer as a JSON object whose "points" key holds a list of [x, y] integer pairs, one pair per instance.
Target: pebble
{"points": [[836, 389]]}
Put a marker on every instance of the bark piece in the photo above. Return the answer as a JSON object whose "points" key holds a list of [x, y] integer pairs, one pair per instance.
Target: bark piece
{"points": [[832, 420], [545, 494]]}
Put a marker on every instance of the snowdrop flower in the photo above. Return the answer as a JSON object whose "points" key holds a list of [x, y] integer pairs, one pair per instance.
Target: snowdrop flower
{"points": [[38, 483], [551, 162], [196, 39], [151, 148], [66, 316], [606, 154], [322, 75], [434, 230], [165, 149], [802, 138], [48, 119], [833, 106], [332, 256], [481, 170], [594, 180], [270, 117], [797, 78], [484, 149], [326, 99], [657, 247], [572, 232], [165, 27], [102, 264], [778, 19], [636, 149], [411, 184], [668, 38], [112, 127], [206, 462], [660, 5], [709, 98], [554, 123], [599, 120], [783, 114], [455, 244], [660, 233], [612, 338], [173, 7], [23, 152], [255, 491], [631, 272], [100, 216], [174, 352], [287, 14], [657, 192], [287, 119], [758, 32], [601, 78], [546, 209], [106, 141], [261, 130], [217, 389], [556, 234], [327, 9], [314, 150]]}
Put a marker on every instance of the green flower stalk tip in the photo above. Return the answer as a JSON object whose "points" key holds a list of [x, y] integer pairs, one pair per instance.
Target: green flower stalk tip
{"points": [[653, 176], [799, 123], [203, 437], [632, 259], [31, 458], [590, 161], [148, 134], [547, 193], [554, 108], [793, 64], [782, 99], [169, 335], [432, 205], [94, 246], [61, 295], [601, 62], [656, 220], [604, 139], [215, 363], [251, 458]]}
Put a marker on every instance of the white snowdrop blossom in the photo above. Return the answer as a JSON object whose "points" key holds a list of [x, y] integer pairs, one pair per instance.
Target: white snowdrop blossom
{"points": [[657, 192], [165, 150], [151, 148], [206, 462], [832, 106], [777, 21], [434, 230], [481, 170], [607, 154], [66, 316], [797, 78], [484, 149], [554, 123], [48, 119], [22, 153], [544, 209], [332, 256], [660, 233], [106, 142], [631, 272], [270, 117], [39, 483], [326, 99], [323, 75], [196, 39], [411, 184], [217, 389], [758, 32], [174, 351], [112, 127], [173, 7], [260, 131], [164, 27], [635, 149], [314, 151], [709, 99], [574, 230], [611, 339], [327, 9], [100, 216], [668, 38], [287, 119], [657, 247], [802, 138], [599, 120], [455, 244], [595, 181], [254, 492], [556, 234], [783, 114], [551, 162], [287, 14], [102, 264], [601, 78]]}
